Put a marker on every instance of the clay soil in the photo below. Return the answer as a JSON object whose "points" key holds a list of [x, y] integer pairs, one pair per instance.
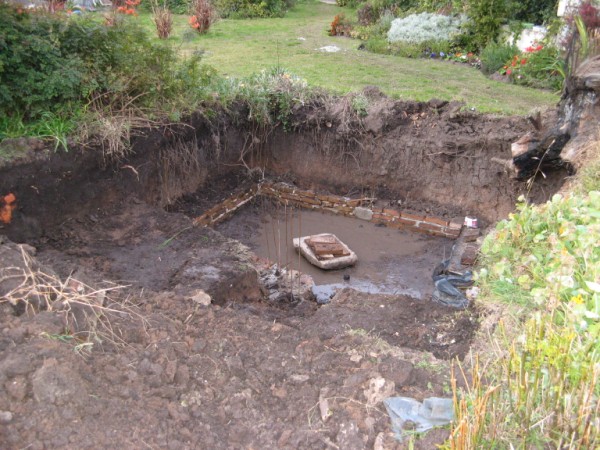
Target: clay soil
{"points": [[161, 368]]}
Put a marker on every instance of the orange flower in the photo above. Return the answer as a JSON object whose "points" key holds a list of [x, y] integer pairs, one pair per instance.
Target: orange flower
{"points": [[8, 205], [194, 22]]}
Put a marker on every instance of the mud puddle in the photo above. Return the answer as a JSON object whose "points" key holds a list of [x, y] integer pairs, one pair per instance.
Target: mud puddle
{"points": [[390, 261]]}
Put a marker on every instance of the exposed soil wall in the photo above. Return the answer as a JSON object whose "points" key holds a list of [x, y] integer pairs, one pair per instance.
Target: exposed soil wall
{"points": [[421, 153], [433, 157]]}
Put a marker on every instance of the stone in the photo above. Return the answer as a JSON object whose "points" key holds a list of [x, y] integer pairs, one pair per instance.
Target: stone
{"points": [[201, 298], [363, 213], [6, 417], [379, 389], [349, 437]]}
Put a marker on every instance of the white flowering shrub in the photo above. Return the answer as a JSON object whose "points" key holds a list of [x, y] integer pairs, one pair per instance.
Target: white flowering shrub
{"points": [[425, 27]]}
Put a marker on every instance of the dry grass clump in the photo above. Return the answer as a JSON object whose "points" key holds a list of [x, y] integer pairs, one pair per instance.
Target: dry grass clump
{"points": [[163, 19], [203, 15], [86, 311]]}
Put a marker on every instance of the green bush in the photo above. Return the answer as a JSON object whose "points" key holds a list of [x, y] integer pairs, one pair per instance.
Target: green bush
{"points": [[243, 9], [269, 95], [486, 18], [494, 56], [178, 6], [378, 44], [539, 69], [50, 63], [534, 11]]}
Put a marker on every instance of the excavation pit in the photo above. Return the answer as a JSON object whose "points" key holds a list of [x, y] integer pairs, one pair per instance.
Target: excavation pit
{"points": [[245, 371]]}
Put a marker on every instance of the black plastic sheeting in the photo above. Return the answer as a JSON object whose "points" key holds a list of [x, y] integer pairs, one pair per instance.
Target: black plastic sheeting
{"points": [[447, 284]]}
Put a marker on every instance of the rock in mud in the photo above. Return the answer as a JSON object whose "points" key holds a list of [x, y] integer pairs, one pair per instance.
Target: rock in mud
{"points": [[59, 385], [363, 213], [378, 390]]}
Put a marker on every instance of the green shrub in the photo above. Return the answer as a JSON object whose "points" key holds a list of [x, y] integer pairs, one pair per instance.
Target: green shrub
{"points": [[486, 18], [269, 95], [178, 6], [546, 368], [539, 69], [50, 63], [36, 73], [377, 44], [534, 11], [494, 56], [242, 9]]}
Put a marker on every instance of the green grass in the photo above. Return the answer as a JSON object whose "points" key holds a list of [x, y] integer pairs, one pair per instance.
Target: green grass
{"points": [[239, 48]]}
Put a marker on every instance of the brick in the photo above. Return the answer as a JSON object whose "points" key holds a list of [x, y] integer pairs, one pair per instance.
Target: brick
{"points": [[382, 217], [391, 212], [456, 223], [407, 222], [345, 209], [449, 232], [329, 198], [437, 221], [430, 226], [415, 217], [297, 198], [398, 225], [354, 202]]}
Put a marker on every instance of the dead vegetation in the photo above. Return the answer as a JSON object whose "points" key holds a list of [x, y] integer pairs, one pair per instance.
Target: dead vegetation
{"points": [[86, 311]]}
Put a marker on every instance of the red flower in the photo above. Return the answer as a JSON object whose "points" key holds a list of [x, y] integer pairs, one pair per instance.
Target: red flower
{"points": [[523, 61], [509, 71]]}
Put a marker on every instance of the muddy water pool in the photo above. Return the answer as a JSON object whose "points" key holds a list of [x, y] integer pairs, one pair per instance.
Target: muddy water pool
{"points": [[389, 260]]}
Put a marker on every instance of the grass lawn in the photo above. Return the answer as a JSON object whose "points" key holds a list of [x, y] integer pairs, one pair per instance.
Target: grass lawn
{"points": [[241, 47]]}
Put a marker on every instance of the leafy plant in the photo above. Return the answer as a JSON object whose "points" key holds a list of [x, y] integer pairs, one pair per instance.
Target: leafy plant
{"points": [[269, 95], [360, 105], [424, 27], [540, 66], [485, 19], [494, 56], [340, 26], [241, 9], [540, 388]]}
